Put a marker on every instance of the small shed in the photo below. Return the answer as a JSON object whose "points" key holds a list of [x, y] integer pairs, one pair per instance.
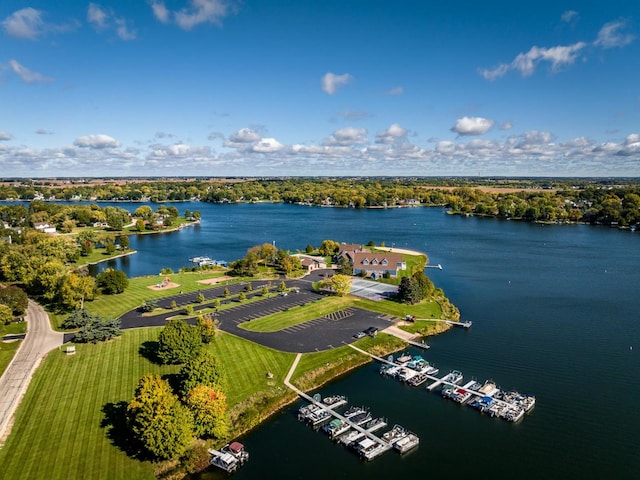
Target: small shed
{"points": [[70, 350]]}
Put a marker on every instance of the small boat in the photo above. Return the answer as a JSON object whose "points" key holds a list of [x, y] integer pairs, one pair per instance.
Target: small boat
{"points": [[353, 411], [229, 457], [352, 437], [336, 427], [334, 401], [406, 443], [370, 449], [396, 433], [455, 377]]}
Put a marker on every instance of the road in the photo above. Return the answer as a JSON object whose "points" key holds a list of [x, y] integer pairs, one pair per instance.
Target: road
{"points": [[39, 340]]}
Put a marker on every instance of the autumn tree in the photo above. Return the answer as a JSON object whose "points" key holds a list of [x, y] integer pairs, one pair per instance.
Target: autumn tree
{"points": [[158, 421], [75, 289], [209, 409], [329, 248], [338, 284]]}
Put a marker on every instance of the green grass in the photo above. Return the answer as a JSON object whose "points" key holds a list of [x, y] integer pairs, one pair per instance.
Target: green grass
{"points": [[425, 327], [57, 431], [297, 315], [112, 306], [425, 309], [8, 350]]}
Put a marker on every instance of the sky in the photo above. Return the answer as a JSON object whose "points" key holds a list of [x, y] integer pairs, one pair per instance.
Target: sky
{"points": [[319, 88]]}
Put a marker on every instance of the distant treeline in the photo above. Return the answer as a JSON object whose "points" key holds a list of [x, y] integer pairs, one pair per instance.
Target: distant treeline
{"points": [[597, 201]]}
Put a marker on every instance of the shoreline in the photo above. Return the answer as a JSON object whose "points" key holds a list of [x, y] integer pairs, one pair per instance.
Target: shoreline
{"points": [[124, 254]]}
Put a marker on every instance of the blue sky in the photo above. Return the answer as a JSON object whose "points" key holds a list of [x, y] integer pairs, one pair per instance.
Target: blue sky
{"points": [[302, 87]]}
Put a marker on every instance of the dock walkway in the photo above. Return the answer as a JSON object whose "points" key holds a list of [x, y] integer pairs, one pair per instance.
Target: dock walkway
{"points": [[369, 434]]}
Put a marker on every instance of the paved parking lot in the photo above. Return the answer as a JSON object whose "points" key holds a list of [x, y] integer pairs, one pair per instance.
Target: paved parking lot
{"points": [[316, 335]]}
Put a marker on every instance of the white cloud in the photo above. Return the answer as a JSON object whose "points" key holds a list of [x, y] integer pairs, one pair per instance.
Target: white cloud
{"points": [[98, 141], [104, 19], [354, 115], [203, 11], [569, 16], [26, 23], [4, 136], [160, 11], [472, 126], [245, 135], [526, 63], [506, 126], [392, 134], [347, 136], [28, 76], [610, 35], [396, 91], [267, 145], [331, 82], [42, 131]]}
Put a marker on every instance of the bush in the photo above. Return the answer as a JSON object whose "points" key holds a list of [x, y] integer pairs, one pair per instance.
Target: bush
{"points": [[178, 342], [98, 330]]}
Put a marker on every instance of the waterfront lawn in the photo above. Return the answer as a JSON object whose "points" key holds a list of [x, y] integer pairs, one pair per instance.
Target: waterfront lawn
{"points": [[298, 314], [316, 369], [62, 428], [425, 309]]}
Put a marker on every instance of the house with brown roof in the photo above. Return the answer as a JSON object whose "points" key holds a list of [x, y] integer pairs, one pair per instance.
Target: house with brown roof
{"points": [[376, 265], [312, 263]]}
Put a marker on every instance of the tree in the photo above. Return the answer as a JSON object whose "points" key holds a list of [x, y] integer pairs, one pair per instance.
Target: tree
{"points": [[178, 342], [242, 296], [329, 247], [140, 225], [208, 328], [209, 409], [173, 305], [202, 369], [282, 287], [409, 291], [158, 421], [309, 249], [112, 281], [265, 291], [123, 240], [226, 292], [6, 314], [149, 305], [98, 330], [344, 266], [338, 284], [78, 318], [75, 289], [200, 298], [15, 298]]}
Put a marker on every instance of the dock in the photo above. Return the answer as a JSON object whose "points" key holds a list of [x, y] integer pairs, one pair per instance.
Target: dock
{"points": [[422, 344], [438, 266], [366, 433], [513, 409]]}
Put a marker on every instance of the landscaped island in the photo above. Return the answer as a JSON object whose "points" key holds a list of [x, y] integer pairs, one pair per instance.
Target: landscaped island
{"points": [[236, 357]]}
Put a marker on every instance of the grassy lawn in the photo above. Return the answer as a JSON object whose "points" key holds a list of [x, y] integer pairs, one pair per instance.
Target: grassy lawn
{"points": [[8, 350], [297, 315], [315, 369], [425, 328], [426, 309], [57, 431]]}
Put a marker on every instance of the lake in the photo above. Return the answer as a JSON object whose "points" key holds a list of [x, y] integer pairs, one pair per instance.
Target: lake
{"points": [[555, 312]]}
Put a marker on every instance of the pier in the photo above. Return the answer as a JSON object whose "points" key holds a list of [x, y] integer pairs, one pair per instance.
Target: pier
{"points": [[466, 324], [493, 394], [368, 433]]}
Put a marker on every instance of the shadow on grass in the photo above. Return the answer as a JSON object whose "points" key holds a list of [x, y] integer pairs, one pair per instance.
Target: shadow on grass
{"points": [[149, 350], [114, 421], [175, 381]]}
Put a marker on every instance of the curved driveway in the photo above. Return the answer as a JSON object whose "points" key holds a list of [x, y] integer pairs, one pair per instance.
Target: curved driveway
{"points": [[319, 334], [39, 340]]}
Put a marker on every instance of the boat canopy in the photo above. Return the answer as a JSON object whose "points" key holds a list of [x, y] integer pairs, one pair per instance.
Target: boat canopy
{"points": [[236, 447]]}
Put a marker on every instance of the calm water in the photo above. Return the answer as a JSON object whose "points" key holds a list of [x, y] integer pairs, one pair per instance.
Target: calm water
{"points": [[555, 311]]}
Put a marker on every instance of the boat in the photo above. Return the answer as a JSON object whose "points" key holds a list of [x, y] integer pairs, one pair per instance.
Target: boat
{"points": [[336, 427], [334, 401], [418, 379], [229, 457], [454, 376], [406, 443], [360, 418], [375, 424], [370, 449], [353, 411], [352, 437], [396, 433]]}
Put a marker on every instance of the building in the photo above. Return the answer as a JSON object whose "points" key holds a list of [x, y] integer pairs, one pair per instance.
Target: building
{"points": [[376, 265]]}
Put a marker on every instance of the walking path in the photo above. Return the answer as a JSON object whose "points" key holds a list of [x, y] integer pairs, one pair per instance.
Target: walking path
{"points": [[39, 341]]}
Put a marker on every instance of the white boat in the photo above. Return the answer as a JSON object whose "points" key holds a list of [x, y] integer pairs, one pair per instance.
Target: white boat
{"points": [[406, 443], [370, 449]]}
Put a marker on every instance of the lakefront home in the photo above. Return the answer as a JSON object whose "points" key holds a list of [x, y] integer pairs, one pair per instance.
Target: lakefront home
{"points": [[376, 265]]}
